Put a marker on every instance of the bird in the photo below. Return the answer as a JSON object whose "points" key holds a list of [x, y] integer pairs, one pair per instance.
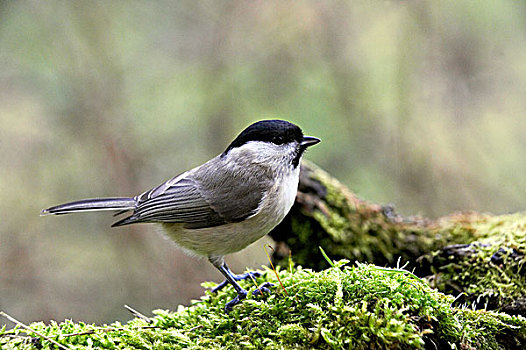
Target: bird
{"points": [[223, 205]]}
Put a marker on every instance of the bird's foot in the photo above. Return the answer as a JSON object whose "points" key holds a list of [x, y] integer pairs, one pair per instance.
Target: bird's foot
{"points": [[242, 294], [250, 274], [264, 288]]}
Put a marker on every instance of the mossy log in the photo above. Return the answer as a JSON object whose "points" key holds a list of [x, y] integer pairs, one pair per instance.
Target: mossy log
{"points": [[359, 306], [477, 257]]}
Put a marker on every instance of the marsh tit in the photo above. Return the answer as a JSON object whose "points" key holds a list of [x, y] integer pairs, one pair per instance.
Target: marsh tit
{"points": [[225, 204]]}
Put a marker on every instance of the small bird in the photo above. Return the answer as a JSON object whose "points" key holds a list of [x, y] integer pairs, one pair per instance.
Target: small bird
{"points": [[225, 204]]}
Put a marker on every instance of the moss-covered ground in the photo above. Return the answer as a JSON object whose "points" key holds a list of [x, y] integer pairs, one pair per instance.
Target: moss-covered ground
{"points": [[343, 307]]}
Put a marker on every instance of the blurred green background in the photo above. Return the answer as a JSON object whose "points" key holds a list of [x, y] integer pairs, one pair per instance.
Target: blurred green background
{"points": [[419, 103]]}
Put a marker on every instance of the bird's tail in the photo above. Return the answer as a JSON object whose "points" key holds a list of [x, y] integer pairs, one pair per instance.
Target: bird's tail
{"points": [[94, 204]]}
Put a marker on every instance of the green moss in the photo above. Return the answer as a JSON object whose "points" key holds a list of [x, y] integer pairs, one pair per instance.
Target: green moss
{"points": [[490, 270], [358, 307]]}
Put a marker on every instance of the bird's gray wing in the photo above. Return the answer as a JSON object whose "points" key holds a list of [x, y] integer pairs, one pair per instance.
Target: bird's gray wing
{"points": [[209, 196], [174, 202], [233, 190]]}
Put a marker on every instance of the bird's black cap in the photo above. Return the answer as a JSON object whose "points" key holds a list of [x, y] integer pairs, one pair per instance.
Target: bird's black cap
{"points": [[275, 131]]}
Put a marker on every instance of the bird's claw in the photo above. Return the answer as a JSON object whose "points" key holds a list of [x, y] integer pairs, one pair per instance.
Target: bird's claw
{"points": [[240, 296], [264, 288]]}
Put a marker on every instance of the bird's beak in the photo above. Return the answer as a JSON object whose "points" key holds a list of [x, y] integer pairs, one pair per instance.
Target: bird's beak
{"points": [[309, 141]]}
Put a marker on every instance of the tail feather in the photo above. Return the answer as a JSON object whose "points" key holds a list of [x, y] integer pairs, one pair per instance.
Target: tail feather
{"points": [[94, 204]]}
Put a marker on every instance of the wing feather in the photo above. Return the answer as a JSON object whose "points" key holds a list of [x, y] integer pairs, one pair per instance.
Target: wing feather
{"points": [[208, 196]]}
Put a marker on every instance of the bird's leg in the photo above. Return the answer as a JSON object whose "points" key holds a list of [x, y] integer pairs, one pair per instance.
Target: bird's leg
{"points": [[243, 276], [219, 263]]}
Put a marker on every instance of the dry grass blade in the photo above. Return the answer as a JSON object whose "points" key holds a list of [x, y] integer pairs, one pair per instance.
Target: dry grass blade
{"points": [[138, 314], [274, 269], [33, 331]]}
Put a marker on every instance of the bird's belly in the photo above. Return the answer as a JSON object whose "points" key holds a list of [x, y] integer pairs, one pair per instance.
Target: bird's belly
{"points": [[230, 238], [224, 239]]}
